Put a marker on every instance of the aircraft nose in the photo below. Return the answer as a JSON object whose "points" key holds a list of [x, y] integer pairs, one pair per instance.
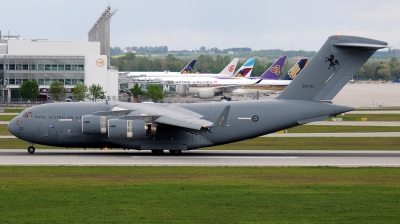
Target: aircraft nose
{"points": [[11, 126]]}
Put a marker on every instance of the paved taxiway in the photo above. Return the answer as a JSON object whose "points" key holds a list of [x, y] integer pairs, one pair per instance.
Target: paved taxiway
{"points": [[201, 158]]}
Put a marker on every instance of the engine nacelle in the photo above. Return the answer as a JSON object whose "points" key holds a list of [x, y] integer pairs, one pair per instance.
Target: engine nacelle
{"points": [[206, 93], [126, 129], [94, 124]]}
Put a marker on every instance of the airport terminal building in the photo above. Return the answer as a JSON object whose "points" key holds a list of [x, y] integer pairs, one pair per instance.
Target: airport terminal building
{"points": [[47, 61]]}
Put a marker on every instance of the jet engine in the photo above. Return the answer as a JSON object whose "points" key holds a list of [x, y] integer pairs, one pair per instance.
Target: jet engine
{"points": [[206, 93], [126, 129], [94, 124]]}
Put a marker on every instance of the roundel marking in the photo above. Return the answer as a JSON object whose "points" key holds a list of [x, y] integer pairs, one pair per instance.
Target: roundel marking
{"points": [[255, 118]]}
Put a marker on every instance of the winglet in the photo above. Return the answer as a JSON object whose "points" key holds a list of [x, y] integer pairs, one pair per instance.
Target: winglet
{"points": [[221, 121], [198, 71], [258, 81]]}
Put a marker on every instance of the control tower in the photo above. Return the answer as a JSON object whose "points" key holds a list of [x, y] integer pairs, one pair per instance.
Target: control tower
{"points": [[100, 32]]}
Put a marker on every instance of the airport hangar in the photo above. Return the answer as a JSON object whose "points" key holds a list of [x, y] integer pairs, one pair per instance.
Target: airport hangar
{"points": [[47, 61]]}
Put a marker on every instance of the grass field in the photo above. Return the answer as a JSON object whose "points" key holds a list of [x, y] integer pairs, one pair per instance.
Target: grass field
{"points": [[199, 195]]}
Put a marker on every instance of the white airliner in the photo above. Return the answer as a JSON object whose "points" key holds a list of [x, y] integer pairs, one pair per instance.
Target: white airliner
{"points": [[208, 87], [146, 76]]}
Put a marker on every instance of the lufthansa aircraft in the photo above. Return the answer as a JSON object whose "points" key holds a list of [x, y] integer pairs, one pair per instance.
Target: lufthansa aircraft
{"points": [[147, 76], [180, 127]]}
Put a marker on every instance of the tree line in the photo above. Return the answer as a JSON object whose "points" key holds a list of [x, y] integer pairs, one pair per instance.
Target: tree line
{"points": [[139, 50], [372, 69], [207, 63], [29, 90], [383, 70]]}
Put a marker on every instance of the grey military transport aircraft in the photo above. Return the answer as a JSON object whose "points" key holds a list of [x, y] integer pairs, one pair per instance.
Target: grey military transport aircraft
{"points": [[181, 127]]}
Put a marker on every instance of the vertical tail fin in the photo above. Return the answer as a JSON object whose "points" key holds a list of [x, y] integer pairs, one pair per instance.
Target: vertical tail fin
{"points": [[247, 67], [198, 71], [230, 68], [189, 67], [292, 73], [274, 71], [331, 68]]}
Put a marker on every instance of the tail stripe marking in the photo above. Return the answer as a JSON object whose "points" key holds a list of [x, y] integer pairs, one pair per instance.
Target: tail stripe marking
{"points": [[329, 78]]}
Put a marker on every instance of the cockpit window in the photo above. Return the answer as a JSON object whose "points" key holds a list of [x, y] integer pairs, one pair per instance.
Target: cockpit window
{"points": [[22, 113], [27, 114]]}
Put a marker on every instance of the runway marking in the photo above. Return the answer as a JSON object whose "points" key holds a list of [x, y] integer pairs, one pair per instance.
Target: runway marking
{"points": [[218, 157]]}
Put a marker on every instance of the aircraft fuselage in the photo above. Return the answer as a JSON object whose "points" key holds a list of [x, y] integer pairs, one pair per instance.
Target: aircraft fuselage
{"points": [[60, 124]]}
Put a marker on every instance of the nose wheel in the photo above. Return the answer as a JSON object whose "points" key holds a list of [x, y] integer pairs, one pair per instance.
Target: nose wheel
{"points": [[31, 149]]}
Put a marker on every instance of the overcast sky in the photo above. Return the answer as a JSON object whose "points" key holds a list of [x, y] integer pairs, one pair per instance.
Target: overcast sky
{"points": [[190, 24]]}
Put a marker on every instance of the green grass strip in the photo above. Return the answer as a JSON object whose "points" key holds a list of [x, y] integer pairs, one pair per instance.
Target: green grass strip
{"points": [[13, 110], [6, 117], [4, 130], [370, 117], [313, 143], [199, 195], [341, 129]]}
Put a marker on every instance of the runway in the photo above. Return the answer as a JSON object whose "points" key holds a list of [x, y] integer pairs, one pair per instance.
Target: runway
{"points": [[201, 158]]}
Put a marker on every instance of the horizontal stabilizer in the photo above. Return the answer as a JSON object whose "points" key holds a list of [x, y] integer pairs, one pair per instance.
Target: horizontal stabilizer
{"points": [[360, 45]]}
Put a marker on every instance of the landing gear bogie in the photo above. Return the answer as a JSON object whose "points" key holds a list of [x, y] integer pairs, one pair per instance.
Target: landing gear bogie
{"points": [[157, 151], [175, 151]]}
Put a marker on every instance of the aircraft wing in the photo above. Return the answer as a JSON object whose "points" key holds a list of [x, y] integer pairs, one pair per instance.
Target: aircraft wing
{"points": [[172, 115]]}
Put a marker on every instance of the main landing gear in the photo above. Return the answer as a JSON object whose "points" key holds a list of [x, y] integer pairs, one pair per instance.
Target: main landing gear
{"points": [[31, 149], [175, 151], [155, 151]]}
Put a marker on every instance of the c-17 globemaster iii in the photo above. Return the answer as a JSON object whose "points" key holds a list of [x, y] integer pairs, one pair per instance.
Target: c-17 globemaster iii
{"points": [[180, 127]]}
